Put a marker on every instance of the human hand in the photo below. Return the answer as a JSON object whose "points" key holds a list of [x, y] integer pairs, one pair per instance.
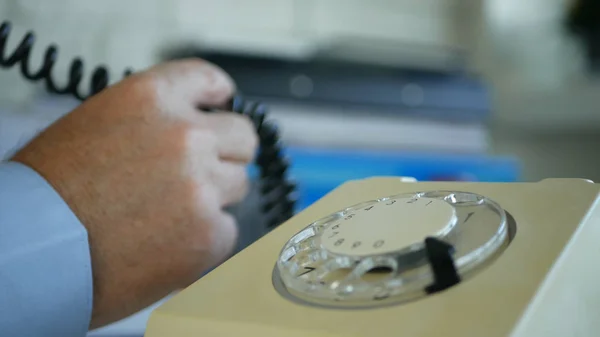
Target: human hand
{"points": [[149, 175]]}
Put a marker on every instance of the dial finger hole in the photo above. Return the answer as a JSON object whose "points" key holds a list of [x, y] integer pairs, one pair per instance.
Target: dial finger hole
{"points": [[321, 224], [359, 206], [336, 276], [365, 274], [382, 271], [373, 270], [333, 270], [345, 282], [287, 254], [302, 261], [306, 245], [437, 194], [464, 199], [296, 250], [307, 257], [412, 196], [303, 235], [334, 264], [308, 269]]}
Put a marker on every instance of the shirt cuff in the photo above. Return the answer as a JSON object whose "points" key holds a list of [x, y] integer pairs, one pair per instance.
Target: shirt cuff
{"points": [[45, 267]]}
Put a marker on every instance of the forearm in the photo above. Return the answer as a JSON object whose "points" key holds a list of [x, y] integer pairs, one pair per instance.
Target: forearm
{"points": [[45, 272]]}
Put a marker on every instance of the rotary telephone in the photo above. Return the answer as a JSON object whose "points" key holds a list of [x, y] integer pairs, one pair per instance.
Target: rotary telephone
{"points": [[390, 256]]}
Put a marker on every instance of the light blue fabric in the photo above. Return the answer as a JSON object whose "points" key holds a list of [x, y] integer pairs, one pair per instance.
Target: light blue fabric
{"points": [[45, 268]]}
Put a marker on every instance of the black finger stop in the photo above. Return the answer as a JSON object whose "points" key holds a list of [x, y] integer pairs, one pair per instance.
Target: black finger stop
{"points": [[439, 254]]}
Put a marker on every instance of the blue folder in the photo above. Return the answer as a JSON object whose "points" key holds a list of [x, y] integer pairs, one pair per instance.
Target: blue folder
{"points": [[320, 170]]}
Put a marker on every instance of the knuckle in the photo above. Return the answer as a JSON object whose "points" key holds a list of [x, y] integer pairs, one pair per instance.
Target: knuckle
{"points": [[234, 184], [213, 234], [200, 234], [219, 79], [223, 237], [192, 66], [249, 138], [252, 134], [193, 62], [201, 150], [181, 65], [214, 239], [243, 183], [207, 139], [142, 87], [174, 142]]}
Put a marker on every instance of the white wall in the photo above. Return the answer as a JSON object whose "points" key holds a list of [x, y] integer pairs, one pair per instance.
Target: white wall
{"points": [[546, 106], [569, 155], [111, 32], [536, 69], [124, 33]]}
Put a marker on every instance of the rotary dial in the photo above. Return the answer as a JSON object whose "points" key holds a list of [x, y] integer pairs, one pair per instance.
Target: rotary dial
{"points": [[391, 249]]}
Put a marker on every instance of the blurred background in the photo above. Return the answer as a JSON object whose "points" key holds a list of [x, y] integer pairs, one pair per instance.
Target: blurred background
{"points": [[469, 90]]}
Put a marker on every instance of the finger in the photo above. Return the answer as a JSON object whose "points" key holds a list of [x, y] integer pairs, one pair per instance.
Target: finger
{"points": [[231, 180], [224, 237], [197, 82], [236, 137], [201, 153], [227, 180], [223, 231]]}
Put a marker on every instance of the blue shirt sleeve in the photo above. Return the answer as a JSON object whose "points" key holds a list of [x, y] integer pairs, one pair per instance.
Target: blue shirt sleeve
{"points": [[45, 267]]}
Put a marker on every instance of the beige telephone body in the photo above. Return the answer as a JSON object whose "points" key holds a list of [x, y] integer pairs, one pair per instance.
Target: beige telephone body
{"points": [[390, 256]]}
